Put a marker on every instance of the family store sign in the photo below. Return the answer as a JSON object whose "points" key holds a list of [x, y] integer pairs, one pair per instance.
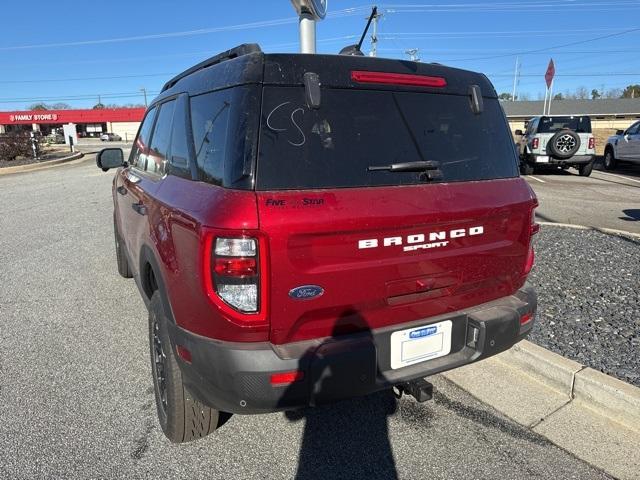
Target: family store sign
{"points": [[33, 117], [101, 115]]}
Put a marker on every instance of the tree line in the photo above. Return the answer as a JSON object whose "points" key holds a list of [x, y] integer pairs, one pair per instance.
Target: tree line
{"points": [[66, 106], [582, 93]]}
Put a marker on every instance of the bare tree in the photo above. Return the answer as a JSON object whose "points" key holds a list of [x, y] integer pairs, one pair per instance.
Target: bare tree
{"points": [[582, 93], [613, 93]]}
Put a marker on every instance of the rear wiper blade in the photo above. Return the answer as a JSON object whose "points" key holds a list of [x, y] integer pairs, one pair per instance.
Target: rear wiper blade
{"points": [[419, 166]]}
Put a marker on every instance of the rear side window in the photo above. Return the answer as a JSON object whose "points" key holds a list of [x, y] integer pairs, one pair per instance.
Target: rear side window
{"points": [[225, 129], [161, 138], [333, 146], [138, 156], [210, 123], [555, 124]]}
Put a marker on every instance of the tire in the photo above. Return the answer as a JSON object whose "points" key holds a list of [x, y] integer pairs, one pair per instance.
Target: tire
{"points": [[526, 168], [610, 162], [182, 417], [564, 144], [121, 254], [585, 169]]}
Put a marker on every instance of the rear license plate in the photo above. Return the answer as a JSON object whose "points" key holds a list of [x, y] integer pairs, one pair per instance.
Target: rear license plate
{"points": [[542, 159], [418, 344]]}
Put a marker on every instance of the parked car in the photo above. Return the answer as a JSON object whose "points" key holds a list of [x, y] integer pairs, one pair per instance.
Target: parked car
{"points": [[623, 146], [110, 137], [562, 141], [308, 228]]}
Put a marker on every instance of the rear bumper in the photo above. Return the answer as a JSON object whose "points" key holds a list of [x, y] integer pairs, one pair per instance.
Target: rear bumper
{"points": [[235, 377], [576, 159]]}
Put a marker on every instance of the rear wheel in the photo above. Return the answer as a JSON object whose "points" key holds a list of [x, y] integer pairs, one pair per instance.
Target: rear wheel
{"points": [[585, 169], [609, 160], [121, 256], [182, 417]]}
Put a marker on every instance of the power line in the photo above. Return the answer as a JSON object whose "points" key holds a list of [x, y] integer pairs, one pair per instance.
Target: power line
{"points": [[484, 32], [88, 96], [546, 49], [77, 79], [569, 74], [201, 31]]}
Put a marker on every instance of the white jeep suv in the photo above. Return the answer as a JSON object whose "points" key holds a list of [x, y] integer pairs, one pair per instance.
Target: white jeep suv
{"points": [[563, 141]]}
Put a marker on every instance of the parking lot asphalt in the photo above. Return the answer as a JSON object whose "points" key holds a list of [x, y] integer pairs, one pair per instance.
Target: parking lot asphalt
{"points": [[603, 200], [76, 392]]}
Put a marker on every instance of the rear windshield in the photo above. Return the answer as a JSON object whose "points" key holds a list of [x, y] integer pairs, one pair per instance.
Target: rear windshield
{"points": [[333, 146], [554, 124]]}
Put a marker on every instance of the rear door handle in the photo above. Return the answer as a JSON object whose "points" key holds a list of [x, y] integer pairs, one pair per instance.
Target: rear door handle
{"points": [[139, 208], [121, 190]]}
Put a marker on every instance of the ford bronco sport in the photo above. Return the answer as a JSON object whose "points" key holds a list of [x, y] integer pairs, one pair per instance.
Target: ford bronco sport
{"points": [[291, 219], [561, 141]]}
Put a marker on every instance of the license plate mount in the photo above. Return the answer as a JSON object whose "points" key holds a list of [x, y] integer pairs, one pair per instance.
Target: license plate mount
{"points": [[419, 344]]}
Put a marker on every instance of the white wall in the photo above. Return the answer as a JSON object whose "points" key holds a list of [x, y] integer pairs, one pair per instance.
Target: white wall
{"points": [[127, 130]]}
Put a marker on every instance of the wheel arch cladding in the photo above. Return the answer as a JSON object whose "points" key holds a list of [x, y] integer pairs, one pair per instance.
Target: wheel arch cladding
{"points": [[151, 279]]}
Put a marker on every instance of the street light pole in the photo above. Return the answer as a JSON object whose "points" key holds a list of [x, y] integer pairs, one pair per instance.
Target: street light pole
{"points": [[374, 35], [144, 92]]}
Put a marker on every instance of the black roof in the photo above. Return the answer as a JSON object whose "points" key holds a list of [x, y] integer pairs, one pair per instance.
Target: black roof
{"points": [[247, 64]]}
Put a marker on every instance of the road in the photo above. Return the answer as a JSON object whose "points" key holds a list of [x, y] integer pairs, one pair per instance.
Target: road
{"points": [[603, 200], [76, 391]]}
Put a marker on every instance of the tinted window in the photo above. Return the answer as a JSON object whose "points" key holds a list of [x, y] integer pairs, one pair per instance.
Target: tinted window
{"points": [[161, 138], [225, 125], [334, 145], [633, 129], [179, 159], [554, 124], [210, 123], [138, 156]]}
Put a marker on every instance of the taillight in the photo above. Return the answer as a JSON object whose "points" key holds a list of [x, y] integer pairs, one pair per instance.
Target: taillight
{"points": [[533, 229], [397, 79], [531, 260], [535, 143], [235, 272], [235, 277], [592, 143]]}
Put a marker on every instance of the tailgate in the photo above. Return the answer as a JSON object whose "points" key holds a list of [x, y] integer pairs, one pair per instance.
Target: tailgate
{"points": [[391, 255]]}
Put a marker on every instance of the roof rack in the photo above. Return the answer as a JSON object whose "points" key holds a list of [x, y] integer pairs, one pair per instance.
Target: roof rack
{"points": [[240, 50]]}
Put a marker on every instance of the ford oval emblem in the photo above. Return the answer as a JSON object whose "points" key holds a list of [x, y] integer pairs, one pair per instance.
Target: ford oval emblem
{"points": [[306, 292]]}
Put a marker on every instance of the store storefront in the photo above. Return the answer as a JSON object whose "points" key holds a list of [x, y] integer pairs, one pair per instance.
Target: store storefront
{"points": [[89, 123]]}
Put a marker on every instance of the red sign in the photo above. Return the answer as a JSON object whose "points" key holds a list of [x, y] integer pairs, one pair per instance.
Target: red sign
{"points": [[103, 115], [551, 72]]}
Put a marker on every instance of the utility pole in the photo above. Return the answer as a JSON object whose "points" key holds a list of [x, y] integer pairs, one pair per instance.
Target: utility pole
{"points": [[516, 79], [374, 35], [413, 54], [144, 92]]}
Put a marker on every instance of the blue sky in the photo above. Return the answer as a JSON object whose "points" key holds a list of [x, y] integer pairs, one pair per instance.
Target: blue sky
{"points": [[94, 41]]}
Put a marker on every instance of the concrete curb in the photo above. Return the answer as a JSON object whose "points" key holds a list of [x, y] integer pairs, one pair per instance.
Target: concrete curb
{"points": [[32, 167], [607, 396], [608, 231]]}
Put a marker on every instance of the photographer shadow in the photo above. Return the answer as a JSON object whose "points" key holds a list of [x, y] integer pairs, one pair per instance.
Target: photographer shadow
{"points": [[350, 438]]}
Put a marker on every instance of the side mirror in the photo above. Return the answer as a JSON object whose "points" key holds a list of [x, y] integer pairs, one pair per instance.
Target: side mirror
{"points": [[110, 158], [519, 132], [619, 132]]}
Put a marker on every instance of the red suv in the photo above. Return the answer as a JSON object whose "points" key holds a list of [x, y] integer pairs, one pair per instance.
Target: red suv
{"points": [[307, 228]]}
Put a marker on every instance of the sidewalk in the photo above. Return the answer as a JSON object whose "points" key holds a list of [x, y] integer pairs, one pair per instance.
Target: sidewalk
{"points": [[592, 415]]}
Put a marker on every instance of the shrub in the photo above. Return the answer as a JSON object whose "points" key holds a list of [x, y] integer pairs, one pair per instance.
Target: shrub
{"points": [[14, 145]]}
